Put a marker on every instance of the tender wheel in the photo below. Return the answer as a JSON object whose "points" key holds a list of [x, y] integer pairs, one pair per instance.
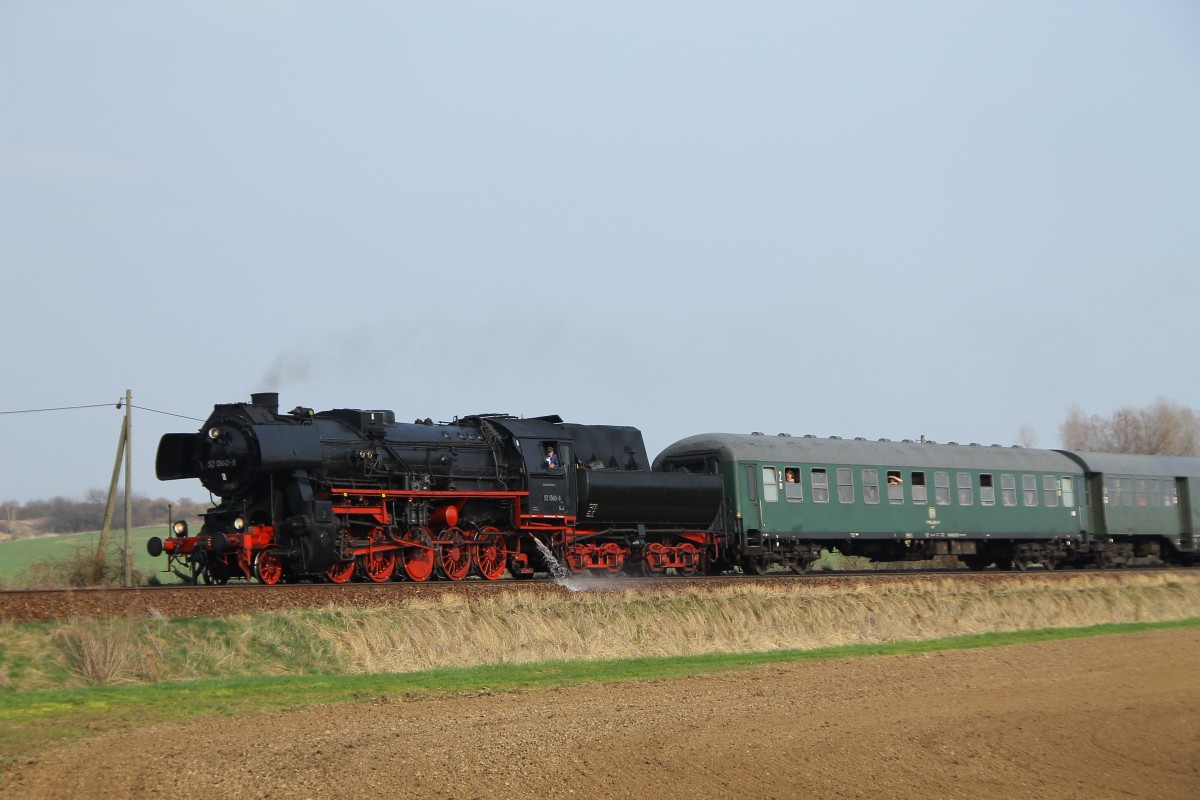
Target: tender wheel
{"points": [[268, 568], [418, 560], [689, 555], [378, 567], [341, 572], [653, 556], [755, 565], [491, 554], [454, 555]]}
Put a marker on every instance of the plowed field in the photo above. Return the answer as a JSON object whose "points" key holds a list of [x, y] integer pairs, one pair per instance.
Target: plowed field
{"points": [[1105, 717]]}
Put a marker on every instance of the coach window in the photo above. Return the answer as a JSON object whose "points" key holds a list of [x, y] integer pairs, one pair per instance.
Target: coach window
{"points": [[1127, 491], [1008, 490], [987, 492], [941, 488], [1170, 494], [966, 492], [920, 492], [1141, 493], [1050, 491], [770, 487], [845, 485], [1029, 489], [871, 486], [1155, 493], [895, 486], [820, 485], [1068, 490], [793, 490]]}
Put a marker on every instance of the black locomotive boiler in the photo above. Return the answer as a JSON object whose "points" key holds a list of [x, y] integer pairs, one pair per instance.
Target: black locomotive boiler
{"points": [[342, 493]]}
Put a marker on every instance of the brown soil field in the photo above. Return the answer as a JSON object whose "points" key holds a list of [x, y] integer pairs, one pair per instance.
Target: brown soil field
{"points": [[1103, 717]]}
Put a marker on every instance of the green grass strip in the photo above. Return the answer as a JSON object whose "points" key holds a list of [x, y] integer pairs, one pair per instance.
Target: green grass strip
{"points": [[30, 721]]}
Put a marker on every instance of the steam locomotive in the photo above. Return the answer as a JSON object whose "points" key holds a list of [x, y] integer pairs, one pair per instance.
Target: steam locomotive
{"points": [[349, 493]]}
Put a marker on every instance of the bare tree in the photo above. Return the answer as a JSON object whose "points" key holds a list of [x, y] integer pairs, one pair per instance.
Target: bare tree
{"points": [[9, 508], [1162, 428], [1026, 435]]}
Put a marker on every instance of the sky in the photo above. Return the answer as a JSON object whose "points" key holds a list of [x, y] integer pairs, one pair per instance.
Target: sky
{"points": [[878, 219]]}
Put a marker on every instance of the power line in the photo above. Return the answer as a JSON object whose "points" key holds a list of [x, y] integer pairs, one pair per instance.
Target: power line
{"points": [[167, 413], [62, 408], [117, 404]]}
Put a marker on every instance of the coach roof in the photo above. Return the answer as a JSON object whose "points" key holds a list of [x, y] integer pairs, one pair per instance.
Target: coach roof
{"points": [[806, 450], [1124, 464]]}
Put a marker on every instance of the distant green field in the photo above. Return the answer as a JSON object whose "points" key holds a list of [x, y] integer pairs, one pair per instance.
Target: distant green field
{"points": [[16, 557]]}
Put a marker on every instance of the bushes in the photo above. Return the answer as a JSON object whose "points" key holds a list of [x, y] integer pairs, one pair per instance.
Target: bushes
{"points": [[64, 515]]}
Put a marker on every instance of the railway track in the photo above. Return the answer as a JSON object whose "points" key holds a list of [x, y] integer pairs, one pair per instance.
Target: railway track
{"points": [[208, 601]]}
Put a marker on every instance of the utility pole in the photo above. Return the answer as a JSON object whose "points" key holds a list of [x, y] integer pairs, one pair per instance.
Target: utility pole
{"points": [[128, 487], [124, 448]]}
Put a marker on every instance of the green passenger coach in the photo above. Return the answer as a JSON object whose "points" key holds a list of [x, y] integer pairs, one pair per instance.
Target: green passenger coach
{"points": [[1140, 505], [788, 498]]}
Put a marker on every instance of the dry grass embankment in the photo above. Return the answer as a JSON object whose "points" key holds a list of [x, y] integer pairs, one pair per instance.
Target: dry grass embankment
{"points": [[455, 630]]}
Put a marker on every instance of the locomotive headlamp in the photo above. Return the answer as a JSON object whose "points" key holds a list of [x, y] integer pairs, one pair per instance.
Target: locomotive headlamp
{"points": [[214, 433], [239, 524], [179, 528]]}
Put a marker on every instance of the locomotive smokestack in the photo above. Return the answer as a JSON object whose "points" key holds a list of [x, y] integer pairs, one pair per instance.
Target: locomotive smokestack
{"points": [[267, 400]]}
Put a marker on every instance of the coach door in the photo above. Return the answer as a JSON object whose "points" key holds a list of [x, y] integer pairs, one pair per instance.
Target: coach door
{"points": [[1188, 513], [757, 493]]}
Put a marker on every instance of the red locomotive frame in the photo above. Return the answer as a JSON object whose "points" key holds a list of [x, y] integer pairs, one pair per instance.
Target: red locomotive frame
{"points": [[381, 550]]}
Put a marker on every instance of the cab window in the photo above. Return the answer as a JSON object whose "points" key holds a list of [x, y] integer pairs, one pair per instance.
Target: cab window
{"points": [[551, 458]]}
